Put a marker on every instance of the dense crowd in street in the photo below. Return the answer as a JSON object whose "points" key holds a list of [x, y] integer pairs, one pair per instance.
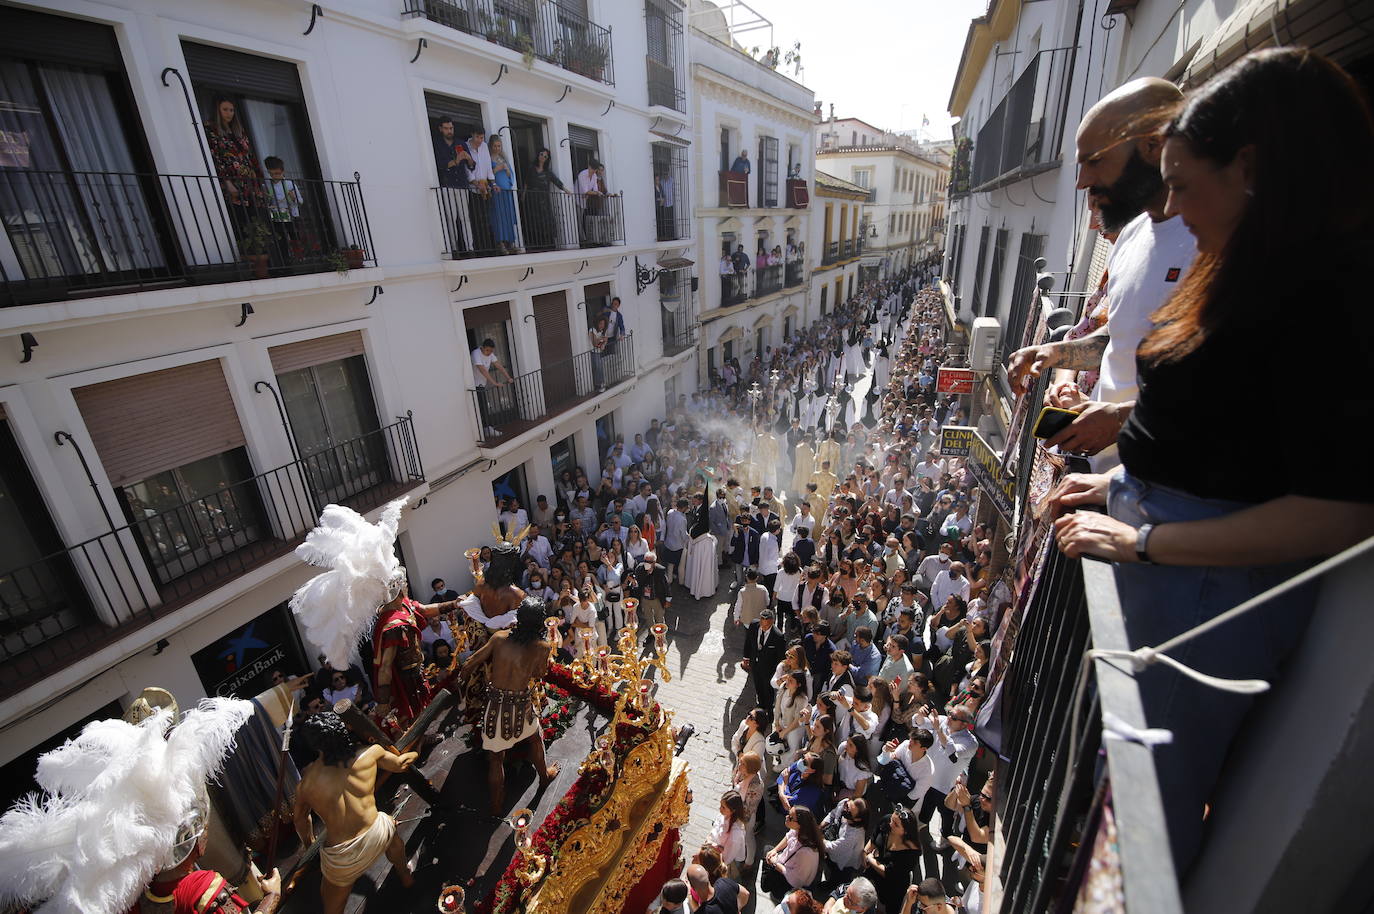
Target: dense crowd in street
{"points": [[810, 478]]}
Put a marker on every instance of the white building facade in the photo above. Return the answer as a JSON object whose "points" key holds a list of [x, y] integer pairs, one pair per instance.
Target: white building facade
{"points": [[763, 217], [839, 213], [903, 184], [209, 337]]}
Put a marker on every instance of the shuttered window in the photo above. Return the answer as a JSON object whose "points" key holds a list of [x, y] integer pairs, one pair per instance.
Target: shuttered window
{"points": [[149, 423], [318, 351], [29, 35], [260, 77]]}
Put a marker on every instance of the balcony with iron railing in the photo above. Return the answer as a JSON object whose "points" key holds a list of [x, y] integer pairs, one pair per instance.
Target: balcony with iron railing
{"points": [[734, 289], [520, 221], [665, 88], [71, 603], [832, 253], [76, 234], [537, 29], [530, 398], [767, 280], [678, 339], [1024, 133], [1079, 814], [794, 273]]}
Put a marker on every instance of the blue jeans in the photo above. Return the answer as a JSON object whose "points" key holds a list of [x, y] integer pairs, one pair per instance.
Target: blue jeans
{"points": [[1161, 601]]}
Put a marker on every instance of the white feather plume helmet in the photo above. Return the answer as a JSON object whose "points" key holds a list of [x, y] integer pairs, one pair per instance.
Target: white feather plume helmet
{"points": [[336, 608], [114, 799]]}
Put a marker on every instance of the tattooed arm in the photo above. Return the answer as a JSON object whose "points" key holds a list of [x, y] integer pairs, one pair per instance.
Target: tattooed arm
{"points": [[1078, 355]]}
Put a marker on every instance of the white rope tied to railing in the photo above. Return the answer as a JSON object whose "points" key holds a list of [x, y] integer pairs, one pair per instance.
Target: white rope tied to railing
{"points": [[1142, 658]]}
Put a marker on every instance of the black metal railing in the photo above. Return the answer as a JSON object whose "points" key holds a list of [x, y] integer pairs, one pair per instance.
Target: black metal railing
{"points": [[664, 86], [832, 253], [70, 603], [679, 339], [81, 233], [734, 289], [767, 280], [514, 221], [1058, 775], [550, 389], [793, 273], [540, 30], [847, 248], [1027, 126]]}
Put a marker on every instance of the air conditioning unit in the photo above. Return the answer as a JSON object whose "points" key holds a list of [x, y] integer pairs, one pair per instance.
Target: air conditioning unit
{"points": [[982, 343]]}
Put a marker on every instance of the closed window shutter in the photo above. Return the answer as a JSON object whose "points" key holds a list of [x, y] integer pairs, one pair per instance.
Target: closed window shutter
{"points": [[315, 352], [581, 136], [262, 77], [30, 35], [486, 314], [149, 423]]}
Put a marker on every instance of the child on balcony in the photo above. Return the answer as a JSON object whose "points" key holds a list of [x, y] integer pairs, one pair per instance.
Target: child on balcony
{"points": [[284, 207]]}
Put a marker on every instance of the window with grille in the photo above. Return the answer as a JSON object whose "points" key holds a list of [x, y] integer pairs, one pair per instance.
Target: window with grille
{"points": [[999, 256], [1023, 287], [978, 272]]}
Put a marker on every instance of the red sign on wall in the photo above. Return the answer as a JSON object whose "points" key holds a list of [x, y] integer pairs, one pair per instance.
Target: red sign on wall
{"points": [[954, 381]]}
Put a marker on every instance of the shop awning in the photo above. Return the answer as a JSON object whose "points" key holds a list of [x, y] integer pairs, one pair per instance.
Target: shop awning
{"points": [[1339, 29]]}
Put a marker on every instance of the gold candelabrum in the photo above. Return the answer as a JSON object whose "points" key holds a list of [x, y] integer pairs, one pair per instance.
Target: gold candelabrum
{"points": [[624, 672]]}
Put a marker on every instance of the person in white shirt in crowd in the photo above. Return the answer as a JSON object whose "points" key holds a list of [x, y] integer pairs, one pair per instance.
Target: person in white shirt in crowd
{"points": [[639, 450], [543, 513], [537, 546], [858, 717], [751, 735], [728, 834], [932, 467], [933, 565], [770, 543], [339, 689], [913, 755], [957, 523], [951, 753], [953, 581], [435, 630]]}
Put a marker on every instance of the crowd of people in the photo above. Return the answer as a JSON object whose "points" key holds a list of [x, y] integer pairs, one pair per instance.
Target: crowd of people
{"points": [[811, 478]]}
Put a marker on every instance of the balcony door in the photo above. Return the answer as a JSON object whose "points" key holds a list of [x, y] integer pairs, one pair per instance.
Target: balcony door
{"points": [[328, 398], [540, 204], [559, 380], [40, 596], [76, 198]]}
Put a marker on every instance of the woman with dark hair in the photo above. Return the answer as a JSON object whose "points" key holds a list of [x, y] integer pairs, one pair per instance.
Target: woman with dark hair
{"points": [[540, 224], [799, 787], [893, 855], [795, 860], [239, 171], [1194, 537]]}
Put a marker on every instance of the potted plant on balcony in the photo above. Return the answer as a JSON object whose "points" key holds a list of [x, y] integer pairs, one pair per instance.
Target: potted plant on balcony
{"points": [[256, 237], [347, 258], [586, 57]]}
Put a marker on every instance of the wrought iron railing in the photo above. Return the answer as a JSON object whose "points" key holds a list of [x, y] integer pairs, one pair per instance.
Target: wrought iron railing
{"points": [[531, 397], [540, 30], [832, 253], [680, 339], [664, 86], [767, 280], [794, 273], [734, 289], [66, 605], [847, 248], [505, 222], [79, 233]]}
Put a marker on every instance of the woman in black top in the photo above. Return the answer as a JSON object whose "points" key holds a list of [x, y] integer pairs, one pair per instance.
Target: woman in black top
{"points": [[1208, 490], [540, 231], [891, 858]]}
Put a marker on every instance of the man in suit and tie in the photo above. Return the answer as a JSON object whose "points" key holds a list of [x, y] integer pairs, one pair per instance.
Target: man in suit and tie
{"points": [[764, 647]]}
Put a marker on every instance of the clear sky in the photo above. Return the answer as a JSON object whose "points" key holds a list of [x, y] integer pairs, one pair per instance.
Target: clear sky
{"points": [[886, 61]]}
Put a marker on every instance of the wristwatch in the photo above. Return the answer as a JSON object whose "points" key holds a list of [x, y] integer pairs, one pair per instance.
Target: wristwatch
{"points": [[1142, 544]]}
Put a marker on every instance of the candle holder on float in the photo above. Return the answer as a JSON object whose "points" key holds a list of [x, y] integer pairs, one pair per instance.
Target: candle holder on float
{"points": [[532, 865], [551, 633], [631, 611], [452, 899]]}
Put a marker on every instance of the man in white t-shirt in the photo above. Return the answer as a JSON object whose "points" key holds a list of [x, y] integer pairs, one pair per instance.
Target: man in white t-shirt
{"points": [[486, 369], [1119, 167]]}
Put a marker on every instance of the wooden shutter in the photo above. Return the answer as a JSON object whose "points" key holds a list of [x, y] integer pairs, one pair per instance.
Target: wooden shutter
{"points": [[486, 314], [149, 423], [555, 347], [316, 352]]}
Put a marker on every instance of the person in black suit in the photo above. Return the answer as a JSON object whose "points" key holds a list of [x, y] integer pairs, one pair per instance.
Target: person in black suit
{"points": [[764, 647]]}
